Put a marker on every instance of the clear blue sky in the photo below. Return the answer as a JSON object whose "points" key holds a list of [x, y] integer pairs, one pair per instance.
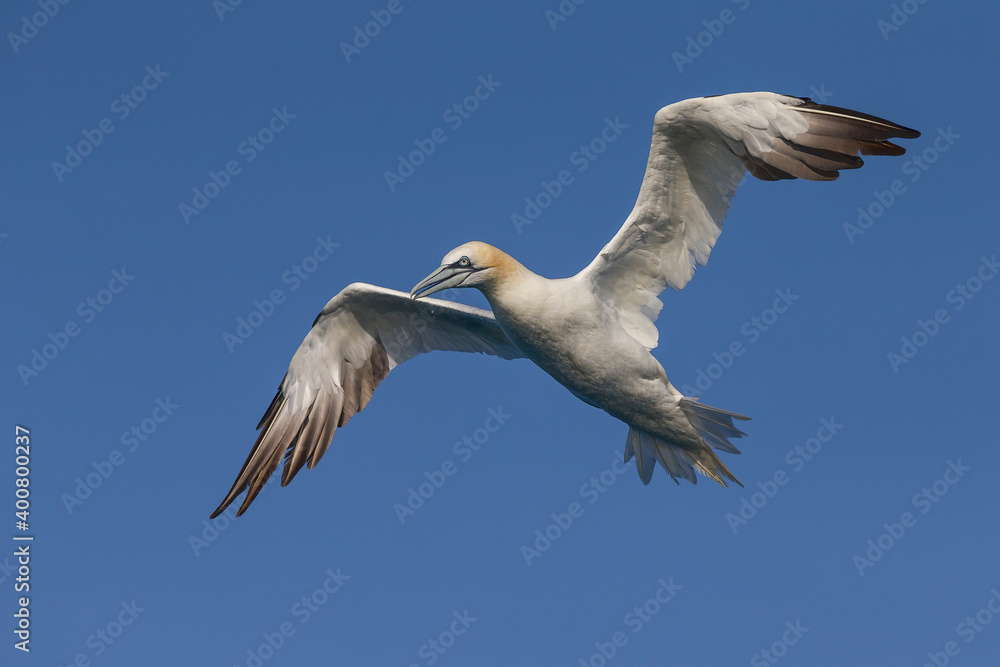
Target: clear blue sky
{"points": [[249, 154]]}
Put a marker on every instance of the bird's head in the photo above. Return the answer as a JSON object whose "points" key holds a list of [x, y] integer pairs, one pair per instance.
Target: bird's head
{"points": [[473, 264]]}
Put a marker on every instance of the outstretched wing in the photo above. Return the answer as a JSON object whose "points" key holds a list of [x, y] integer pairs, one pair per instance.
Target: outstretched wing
{"points": [[700, 151], [361, 335]]}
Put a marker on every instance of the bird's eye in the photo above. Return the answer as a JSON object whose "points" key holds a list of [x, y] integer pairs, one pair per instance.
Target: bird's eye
{"points": [[464, 262]]}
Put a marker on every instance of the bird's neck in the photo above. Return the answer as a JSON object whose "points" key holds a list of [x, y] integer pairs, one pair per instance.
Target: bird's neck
{"points": [[513, 286]]}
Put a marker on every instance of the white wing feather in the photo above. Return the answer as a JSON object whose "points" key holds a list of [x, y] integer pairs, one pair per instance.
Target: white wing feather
{"points": [[361, 334], [701, 149]]}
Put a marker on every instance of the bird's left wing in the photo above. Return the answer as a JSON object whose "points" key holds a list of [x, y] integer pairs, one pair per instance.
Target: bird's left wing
{"points": [[701, 149], [361, 334]]}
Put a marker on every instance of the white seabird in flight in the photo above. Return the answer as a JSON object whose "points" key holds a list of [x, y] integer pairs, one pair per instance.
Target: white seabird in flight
{"points": [[592, 332]]}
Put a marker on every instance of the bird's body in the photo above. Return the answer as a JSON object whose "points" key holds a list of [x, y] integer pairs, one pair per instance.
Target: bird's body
{"points": [[573, 336], [591, 332], [559, 324]]}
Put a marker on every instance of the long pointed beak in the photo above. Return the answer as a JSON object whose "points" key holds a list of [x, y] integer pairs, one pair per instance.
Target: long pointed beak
{"points": [[443, 278]]}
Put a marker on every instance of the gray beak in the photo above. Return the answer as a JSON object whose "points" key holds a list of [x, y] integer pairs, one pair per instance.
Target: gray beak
{"points": [[443, 278]]}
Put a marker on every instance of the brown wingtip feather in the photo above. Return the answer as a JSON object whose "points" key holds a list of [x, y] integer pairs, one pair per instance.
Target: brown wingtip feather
{"points": [[834, 138], [302, 439], [273, 408], [312, 430], [881, 148], [897, 130], [240, 484]]}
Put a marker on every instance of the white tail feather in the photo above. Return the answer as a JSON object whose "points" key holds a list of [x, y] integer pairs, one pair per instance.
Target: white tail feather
{"points": [[713, 425]]}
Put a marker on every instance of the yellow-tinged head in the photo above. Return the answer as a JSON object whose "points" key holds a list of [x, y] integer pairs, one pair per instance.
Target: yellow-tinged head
{"points": [[473, 264]]}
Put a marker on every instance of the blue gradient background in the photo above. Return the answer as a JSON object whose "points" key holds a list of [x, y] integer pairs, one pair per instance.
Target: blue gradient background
{"points": [[135, 538]]}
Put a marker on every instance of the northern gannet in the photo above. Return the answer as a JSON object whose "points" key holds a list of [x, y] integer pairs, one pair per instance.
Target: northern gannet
{"points": [[592, 332]]}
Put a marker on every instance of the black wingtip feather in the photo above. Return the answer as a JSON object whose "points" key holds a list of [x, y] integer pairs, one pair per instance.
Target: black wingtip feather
{"points": [[273, 407], [898, 130]]}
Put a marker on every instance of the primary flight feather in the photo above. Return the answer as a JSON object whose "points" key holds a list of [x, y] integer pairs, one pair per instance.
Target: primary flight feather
{"points": [[592, 332]]}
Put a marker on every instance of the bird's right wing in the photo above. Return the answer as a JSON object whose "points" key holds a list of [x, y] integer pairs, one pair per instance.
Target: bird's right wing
{"points": [[361, 334], [701, 149]]}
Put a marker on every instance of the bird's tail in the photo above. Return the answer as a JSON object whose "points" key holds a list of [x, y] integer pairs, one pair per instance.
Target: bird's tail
{"points": [[714, 427]]}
